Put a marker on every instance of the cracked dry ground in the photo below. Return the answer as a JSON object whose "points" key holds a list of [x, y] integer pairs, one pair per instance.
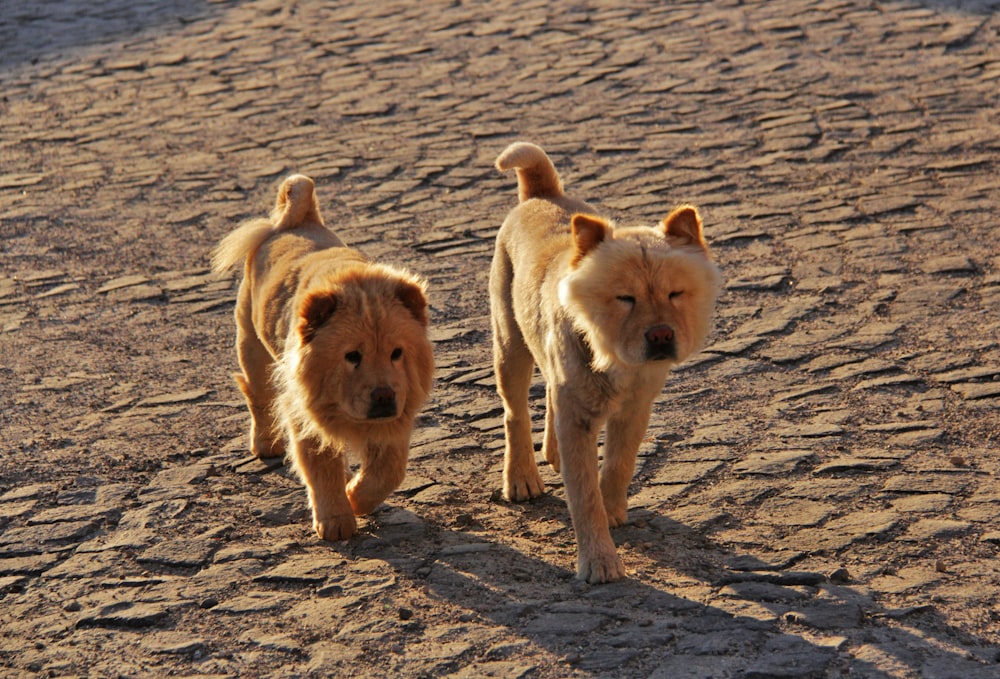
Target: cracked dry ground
{"points": [[817, 495]]}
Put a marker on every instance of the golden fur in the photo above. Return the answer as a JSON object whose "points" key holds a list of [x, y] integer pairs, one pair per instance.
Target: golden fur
{"points": [[604, 311], [334, 356]]}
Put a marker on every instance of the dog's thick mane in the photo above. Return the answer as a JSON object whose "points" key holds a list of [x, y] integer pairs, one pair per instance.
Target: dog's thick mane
{"points": [[295, 205], [536, 175]]}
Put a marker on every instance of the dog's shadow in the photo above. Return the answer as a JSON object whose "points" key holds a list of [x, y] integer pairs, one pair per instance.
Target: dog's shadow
{"points": [[629, 627]]}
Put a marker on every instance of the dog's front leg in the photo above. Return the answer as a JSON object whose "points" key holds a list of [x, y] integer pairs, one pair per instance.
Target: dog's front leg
{"points": [[324, 472], [383, 467], [621, 445], [597, 559]]}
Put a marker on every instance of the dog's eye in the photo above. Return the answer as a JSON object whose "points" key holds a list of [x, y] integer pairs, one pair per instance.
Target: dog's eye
{"points": [[628, 299], [397, 353], [676, 293], [353, 357]]}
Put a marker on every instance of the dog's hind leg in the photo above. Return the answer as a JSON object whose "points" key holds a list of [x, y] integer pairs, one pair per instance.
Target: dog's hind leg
{"points": [[266, 438], [513, 366], [550, 447]]}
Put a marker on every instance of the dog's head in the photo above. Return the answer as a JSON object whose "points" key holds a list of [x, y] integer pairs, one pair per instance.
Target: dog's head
{"points": [[360, 354], [641, 294]]}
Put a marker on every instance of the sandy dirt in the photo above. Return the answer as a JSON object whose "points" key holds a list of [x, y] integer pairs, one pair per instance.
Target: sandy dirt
{"points": [[817, 495]]}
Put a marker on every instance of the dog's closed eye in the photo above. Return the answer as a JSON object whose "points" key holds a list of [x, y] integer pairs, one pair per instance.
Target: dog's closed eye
{"points": [[674, 294], [353, 357], [628, 299]]}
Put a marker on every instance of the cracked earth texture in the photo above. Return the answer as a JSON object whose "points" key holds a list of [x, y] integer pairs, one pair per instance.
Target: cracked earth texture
{"points": [[817, 495]]}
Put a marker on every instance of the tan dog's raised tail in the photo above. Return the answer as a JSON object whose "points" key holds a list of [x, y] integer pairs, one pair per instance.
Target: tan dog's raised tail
{"points": [[604, 311], [334, 356]]}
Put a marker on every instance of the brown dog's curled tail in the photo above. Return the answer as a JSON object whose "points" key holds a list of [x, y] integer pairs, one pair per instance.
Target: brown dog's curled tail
{"points": [[296, 204], [536, 175]]}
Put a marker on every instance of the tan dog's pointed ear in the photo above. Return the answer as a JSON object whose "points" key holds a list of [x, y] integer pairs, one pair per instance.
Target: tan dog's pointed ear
{"points": [[296, 203], [316, 310], [413, 298], [683, 227], [588, 232]]}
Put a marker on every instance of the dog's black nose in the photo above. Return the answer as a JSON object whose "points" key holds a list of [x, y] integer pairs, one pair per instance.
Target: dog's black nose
{"points": [[383, 403], [660, 343]]}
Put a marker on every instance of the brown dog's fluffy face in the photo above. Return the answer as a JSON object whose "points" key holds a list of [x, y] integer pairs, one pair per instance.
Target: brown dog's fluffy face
{"points": [[362, 357], [640, 294]]}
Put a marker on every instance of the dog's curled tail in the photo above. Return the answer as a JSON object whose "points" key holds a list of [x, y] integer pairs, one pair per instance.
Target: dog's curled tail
{"points": [[296, 204], [536, 175]]}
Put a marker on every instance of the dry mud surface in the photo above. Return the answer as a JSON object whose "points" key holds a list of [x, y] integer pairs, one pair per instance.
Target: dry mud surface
{"points": [[818, 492]]}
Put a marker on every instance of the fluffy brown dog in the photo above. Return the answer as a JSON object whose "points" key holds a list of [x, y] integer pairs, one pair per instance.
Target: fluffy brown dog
{"points": [[604, 312], [334, 353]]}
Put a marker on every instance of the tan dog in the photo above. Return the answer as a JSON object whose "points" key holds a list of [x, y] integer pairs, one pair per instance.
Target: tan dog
{"points": [[604, 312], [334, 353]]}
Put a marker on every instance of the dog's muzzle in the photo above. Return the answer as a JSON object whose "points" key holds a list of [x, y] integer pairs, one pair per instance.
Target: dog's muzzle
{"points": [[660, 343], [383, 403]]}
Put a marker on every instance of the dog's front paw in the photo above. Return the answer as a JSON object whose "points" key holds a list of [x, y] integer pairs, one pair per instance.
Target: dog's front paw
{"points": [[600, 566], [335, 528], [363, 502], [522, 487]]}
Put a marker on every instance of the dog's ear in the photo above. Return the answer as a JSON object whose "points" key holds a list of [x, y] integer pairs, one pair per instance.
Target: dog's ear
{"points": [[683, 227], [588, 232], [413, 298], [316, 310]]}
